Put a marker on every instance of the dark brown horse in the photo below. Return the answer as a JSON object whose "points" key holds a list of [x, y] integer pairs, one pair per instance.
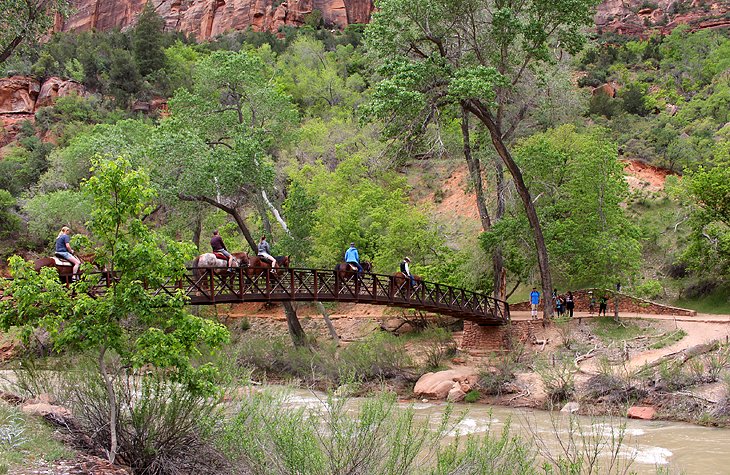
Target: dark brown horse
{"points": [[346, 272], [401, 283], [64, 268], [258, 265]]}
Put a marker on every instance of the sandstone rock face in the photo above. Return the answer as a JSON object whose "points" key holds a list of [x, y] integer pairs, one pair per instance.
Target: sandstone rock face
{"points": [[439, 385], [641, 412], [628, 16], [208, 18], [18, 95], [55, 87]]}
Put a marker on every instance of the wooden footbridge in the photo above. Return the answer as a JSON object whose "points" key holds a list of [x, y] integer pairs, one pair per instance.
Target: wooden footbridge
{"points": [[206, 286]]}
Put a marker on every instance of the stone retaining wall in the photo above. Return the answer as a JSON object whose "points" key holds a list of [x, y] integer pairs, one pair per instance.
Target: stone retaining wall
{"points": [[627, 303], [490, 339]]}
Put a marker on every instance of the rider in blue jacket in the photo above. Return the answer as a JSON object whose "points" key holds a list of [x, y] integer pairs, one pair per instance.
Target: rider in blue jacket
{"points": [[352, 257]]}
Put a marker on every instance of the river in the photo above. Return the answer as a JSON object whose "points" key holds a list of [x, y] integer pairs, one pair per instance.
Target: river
{"points": [[684, 448]]}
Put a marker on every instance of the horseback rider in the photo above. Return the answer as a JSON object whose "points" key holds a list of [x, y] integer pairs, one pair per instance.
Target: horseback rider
{"points": [[353, 258], [216, 242], [63, 250], [265, 251], [405, 269]]}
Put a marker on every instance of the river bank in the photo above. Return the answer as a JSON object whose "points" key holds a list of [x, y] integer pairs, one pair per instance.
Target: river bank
{"points": [[674, 365]]}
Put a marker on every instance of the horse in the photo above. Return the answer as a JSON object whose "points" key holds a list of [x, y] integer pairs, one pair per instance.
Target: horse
{"points": [[401, 282], [346, 272], [219, 266], [258, 265], [64, 267]]}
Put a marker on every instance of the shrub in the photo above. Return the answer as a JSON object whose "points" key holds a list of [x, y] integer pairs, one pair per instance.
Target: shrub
{"points": [[558, 378], [439, 345], [162, 427], [472, 396], [649, 289]]}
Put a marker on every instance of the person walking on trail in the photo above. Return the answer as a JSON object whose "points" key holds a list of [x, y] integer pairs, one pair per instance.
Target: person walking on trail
{"points": [[216, 243], [534, 301], [265, 251], [64, 251], [603, 305], [591, 302], [353, 257], [405, 269], [570, 304]]}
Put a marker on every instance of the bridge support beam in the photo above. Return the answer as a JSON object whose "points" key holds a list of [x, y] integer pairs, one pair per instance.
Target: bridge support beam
{"points": [[482, 340]]}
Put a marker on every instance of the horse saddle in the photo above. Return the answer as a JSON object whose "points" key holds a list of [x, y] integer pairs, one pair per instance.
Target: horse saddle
{"points": [[220, 255], [353, 267], [62, 262]]}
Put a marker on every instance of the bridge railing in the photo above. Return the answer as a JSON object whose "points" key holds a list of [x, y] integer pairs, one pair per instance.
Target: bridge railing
{"points": [[205, 286]]}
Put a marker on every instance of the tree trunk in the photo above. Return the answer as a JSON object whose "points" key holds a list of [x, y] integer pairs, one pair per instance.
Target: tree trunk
{"points": [[486, 118], [328, 322], [475, 171], [197, 230], [228, 209], [295, 328], [112, 453], [264, 217], [500, 273]]}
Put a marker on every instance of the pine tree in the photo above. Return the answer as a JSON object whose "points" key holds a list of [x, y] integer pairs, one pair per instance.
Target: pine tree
{"points": [[147, 40]]}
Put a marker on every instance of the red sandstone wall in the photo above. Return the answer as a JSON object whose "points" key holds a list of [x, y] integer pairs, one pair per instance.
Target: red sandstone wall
{"points": [[491, 339], [626, 304]]}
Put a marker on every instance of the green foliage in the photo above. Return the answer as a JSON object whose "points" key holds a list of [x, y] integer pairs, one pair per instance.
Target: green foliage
{"points": [[139, 327], [147, 40], [580, 184], [268, 436], [472, 396], [47, 213], [27, 437], [610, 331], [381, 355], [9, 222], [558, 378], [374, 212], [23, 22], [649, 289]]}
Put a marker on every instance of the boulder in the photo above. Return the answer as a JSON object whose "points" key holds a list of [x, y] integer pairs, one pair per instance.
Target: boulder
{"points": [[18, 95], [641, 412], [456, 394], [55, 87], [438, 385], [44, 409], [571, 407]]}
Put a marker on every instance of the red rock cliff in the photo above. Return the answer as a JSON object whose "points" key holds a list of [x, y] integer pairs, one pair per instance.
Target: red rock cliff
{"points": [[208, 18]]}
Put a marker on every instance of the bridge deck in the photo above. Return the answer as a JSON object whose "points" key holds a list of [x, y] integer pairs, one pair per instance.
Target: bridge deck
{"points": [[205, 286], [208, 286]]}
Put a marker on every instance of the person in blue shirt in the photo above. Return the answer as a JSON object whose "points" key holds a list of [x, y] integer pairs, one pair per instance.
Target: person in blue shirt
{"points": [[534, 301], [64, 251], [352, 257]]}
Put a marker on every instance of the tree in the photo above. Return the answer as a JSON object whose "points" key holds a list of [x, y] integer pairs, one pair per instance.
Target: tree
{"points": [[580, 187], [25, 20], [128, 323], [478, 56], [147, 40], [216, 146]]}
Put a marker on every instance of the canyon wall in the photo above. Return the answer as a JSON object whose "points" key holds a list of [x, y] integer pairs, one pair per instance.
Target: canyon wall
{"points": [[208, 18]]}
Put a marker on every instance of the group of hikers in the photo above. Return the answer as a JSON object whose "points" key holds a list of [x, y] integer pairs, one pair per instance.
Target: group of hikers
{"points": [[64, 251], [563, 304]]}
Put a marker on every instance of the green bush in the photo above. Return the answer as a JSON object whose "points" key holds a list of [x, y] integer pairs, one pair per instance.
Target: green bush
{"points": [[472, 396], [649, 289]]}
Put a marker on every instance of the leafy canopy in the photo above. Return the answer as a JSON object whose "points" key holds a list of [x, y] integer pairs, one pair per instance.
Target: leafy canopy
{"points": [[140, 328]]}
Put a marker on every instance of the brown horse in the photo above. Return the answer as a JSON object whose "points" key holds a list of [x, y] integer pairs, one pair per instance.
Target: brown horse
{"points": [[258, 265], [345, 272], [401, 283], [64, 267]]}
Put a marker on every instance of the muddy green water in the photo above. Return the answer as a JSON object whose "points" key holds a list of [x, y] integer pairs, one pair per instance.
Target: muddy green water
{"points": [[683, 448]]}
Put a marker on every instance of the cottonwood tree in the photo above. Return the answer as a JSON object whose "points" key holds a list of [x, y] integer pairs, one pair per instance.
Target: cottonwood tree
{"points": [[476, 55], [25, 20], [128, 325], [580, 184], [216, 147]]}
